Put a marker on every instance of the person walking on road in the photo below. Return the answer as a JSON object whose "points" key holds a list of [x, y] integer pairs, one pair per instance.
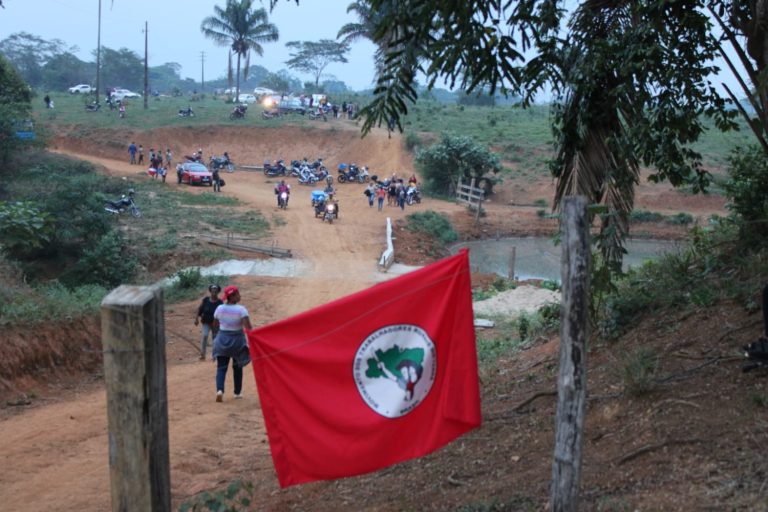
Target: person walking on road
{"points": [[370, 192], [205, 316], [381, 193], [132, 152], [230, 343]]}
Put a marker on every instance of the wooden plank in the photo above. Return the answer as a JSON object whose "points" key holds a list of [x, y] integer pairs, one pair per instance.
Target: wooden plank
{"points": [[133, 337], [235, 243], [572, 378]]}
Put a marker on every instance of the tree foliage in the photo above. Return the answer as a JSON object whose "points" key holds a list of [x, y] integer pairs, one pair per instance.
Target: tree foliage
{"points": [[242, 28], [24, 229], [29, 54], [314, 56], [747, 190], [442, 164], [122, 68], [15, 98], [631, 80]]}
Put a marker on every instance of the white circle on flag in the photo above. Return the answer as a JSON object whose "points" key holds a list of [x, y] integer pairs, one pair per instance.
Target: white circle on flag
{"points": [[394, 369]]}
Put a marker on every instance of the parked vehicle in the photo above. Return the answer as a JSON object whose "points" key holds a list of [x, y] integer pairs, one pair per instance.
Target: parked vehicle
{"points": [[318, 115], [92, 107], [123, 205], [187, 112], [246, 98], [238, 112], [292, 105], [270, 114], [263, 91], [353, 174], [221, 163], [307, 176], [278, 169], [194, 173], [121, 94], [80, 89]]}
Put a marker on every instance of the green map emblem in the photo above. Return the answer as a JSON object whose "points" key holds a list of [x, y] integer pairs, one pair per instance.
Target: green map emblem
{"points": [[394, 369]]}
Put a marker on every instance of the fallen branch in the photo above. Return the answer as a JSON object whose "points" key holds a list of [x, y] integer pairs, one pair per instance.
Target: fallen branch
{"points": [[534, 397], [653, 447]]}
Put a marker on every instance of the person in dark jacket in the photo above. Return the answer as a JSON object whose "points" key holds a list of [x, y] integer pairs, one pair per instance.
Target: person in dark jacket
{"points": [[205, 316]]}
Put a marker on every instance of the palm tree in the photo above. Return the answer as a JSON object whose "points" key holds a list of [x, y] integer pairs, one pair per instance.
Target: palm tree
{"points": [[242, 28], [369, 19]]}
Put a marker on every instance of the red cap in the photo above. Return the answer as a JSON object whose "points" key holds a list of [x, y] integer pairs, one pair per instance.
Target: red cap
{"points": [[230, 290]]}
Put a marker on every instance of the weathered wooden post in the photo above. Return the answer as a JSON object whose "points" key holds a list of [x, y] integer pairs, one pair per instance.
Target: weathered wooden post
{"points": [[572, 378], [512, 256], [133, 336]]}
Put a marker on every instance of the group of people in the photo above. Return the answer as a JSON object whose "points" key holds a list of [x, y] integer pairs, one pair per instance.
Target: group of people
{"points": [[159, 162], [393, 189], [224, 320]]}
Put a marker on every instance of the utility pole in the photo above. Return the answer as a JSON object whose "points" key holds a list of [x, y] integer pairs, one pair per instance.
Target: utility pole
{"points": [[98, 56], [202, 72], [146, 68]]}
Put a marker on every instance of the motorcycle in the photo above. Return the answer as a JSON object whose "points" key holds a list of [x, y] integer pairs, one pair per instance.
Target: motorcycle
{"points": [[270, 114], [186, 112], [353, 174], [219, 163], [275, 170], [330, 212], [282, 200], [318, 115], [238, 112], [412, 195], [93, 107], [122, 205], [307, 176]]}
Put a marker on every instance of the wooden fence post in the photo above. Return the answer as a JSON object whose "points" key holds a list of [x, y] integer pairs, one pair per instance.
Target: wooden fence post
{"points": [[572, 377], [512, 256], [133, 336]]}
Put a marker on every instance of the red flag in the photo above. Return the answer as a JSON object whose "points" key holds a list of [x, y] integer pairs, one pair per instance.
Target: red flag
{"points": [[378, 377]]}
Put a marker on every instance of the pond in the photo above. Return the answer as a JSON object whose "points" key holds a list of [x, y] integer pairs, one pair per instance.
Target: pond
{"points": [[539, 258]]}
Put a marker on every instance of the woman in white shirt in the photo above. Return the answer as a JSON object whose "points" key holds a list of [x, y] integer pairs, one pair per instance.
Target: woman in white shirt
{"points": [[230, 343]]}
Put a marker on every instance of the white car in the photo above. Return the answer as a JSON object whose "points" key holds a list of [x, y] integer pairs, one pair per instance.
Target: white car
{"points": [[121, 94], [81, 88], [246, 98], [263, 91]]}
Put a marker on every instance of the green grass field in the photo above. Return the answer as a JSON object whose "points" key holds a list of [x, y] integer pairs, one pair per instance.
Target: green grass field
{"points": [[522, 137]]}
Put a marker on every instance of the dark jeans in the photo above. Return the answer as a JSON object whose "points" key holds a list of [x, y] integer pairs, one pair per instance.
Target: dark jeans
{"points": [[222, 363]]}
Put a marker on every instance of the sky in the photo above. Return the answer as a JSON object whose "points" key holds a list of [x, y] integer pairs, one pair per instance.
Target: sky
{"points": [[174, 32]]}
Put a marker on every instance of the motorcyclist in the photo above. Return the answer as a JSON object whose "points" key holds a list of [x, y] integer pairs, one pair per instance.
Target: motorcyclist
{"points": [[280, 188]]}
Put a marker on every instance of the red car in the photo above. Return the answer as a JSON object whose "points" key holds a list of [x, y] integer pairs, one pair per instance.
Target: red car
{"points": [[194, 173]]}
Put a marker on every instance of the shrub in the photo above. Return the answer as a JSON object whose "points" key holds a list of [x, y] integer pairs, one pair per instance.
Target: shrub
{"points": [[412, 141], [433, 224], [108, 263], [638, 371], [747, 190], [24, 229]]}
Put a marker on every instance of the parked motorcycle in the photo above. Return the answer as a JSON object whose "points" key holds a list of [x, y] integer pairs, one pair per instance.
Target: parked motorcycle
{"points": [[187, 112], [122, 205], [315, 116], [238, 112], [307, 176], [92, 107], [270, 114], [353, 174], [278, 169], [221, 163]]}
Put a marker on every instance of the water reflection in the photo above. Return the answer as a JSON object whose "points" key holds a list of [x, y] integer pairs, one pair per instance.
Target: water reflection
{"points": [[539, 258]]}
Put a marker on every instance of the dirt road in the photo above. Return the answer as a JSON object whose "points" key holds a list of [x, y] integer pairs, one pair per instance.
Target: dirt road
{"points": [[58, 452]]}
